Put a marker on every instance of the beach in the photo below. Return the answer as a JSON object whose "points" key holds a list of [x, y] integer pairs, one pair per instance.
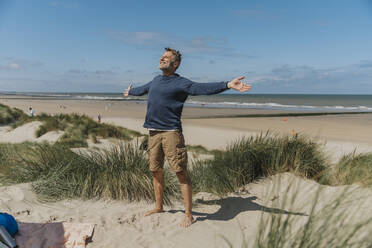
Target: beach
{"points": [[341, 133], [258, 119], [235, 217]]}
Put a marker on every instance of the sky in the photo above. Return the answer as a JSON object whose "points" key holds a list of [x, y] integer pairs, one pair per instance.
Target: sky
{"points": [[281, 47]]}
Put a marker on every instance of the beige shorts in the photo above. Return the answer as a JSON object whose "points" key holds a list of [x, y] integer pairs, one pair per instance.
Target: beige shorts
{"points": [[170, 144]]}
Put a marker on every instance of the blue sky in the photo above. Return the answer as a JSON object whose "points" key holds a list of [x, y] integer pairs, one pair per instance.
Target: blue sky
{"points": [[300, 46]]}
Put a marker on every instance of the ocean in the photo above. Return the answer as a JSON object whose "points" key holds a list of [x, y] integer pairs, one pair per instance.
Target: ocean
{"points": [[288, 102]]}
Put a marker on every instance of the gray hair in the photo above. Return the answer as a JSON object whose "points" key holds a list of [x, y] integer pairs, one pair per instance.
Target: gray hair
{"points": [[176, 53]]}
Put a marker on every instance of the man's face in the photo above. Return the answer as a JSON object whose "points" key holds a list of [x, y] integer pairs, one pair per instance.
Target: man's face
{"points": [[167, 62]]}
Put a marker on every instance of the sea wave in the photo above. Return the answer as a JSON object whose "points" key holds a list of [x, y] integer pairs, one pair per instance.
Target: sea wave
{"points": [[208, 104], [36, 94], [84, 97], [271, 105], [51, 95], [99, 97]]}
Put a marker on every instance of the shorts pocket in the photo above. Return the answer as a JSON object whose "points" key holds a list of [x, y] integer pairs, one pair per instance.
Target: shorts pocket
{"points": [[181, 155]]}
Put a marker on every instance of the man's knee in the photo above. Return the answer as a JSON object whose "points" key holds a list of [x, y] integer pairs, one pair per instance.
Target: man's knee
{"points": [[183, 177], [158, 174]]}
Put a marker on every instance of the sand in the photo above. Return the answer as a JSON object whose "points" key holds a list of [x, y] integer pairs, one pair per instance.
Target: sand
{"points": [[235, 217], [27, 132], [349, 128]]}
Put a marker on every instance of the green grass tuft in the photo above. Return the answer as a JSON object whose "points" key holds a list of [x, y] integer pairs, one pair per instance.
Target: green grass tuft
{"points": [[10, 115], [82, 126], [199, 149], [77, 127], [243, 161], [57, 173], [250, 158], [353, 168]]}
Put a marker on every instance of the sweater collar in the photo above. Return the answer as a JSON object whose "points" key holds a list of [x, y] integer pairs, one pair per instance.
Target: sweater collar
{"points": [[171, 76]]}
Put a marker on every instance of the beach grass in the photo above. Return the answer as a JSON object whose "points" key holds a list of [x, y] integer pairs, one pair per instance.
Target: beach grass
{"points": [[72, 141], [77, 127], [11, 154], [352, 168], [82, 125], [121, 172], [318, 224], [326, 225], [10, 115], [250, 158], [199, 149], [57, 173]]}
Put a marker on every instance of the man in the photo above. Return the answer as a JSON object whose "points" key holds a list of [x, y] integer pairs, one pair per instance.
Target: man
{"points": [[166, 96]]}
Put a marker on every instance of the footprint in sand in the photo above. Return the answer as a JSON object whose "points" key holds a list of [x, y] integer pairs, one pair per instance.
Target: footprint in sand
{"points": [[52, 218], [27, 212]]}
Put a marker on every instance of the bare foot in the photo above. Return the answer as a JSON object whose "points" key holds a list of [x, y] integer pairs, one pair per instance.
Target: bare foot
{"points": [[187, 221], [154, 211]]}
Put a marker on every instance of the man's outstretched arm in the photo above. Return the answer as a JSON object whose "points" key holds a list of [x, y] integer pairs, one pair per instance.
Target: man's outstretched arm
{"points": [[138, 91], [215, 88]]}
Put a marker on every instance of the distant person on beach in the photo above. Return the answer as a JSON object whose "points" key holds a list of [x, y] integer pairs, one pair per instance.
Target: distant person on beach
{"points": [[166, 96], [32, 112], [99, 118]]}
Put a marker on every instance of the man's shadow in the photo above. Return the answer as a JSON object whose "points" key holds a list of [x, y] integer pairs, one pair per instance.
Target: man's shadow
{"points": [[232, 206]]}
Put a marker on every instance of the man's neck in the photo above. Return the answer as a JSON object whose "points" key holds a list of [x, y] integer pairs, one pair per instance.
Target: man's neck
{"points": [[168, 73]]}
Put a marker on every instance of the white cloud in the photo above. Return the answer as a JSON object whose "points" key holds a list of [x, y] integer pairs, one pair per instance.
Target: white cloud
{"points": [[306, 79], [10, 67], [23, 63], [14, 66]]}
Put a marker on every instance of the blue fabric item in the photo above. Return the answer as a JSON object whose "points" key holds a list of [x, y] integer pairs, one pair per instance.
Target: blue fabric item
{"points": [[9, 223], [166, 96]]}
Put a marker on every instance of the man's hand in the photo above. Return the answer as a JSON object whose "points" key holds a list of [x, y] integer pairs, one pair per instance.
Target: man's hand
{"points": [[126, 92], [238, 85]]}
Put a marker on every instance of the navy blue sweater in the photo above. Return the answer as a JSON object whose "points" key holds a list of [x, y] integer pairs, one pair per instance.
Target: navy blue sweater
{"points": [[166, 96]]}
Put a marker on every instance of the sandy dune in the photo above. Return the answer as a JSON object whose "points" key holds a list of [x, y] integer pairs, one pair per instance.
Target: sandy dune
{"points": [[27, 133], [122, 224]]}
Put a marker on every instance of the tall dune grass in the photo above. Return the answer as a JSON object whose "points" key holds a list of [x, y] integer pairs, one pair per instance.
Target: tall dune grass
{"points": [[85, 125], [28, 162], [250, 158], [352, 168], [332, 221], [9, 115], [8, 152], [326, 221], [57, 173]]}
